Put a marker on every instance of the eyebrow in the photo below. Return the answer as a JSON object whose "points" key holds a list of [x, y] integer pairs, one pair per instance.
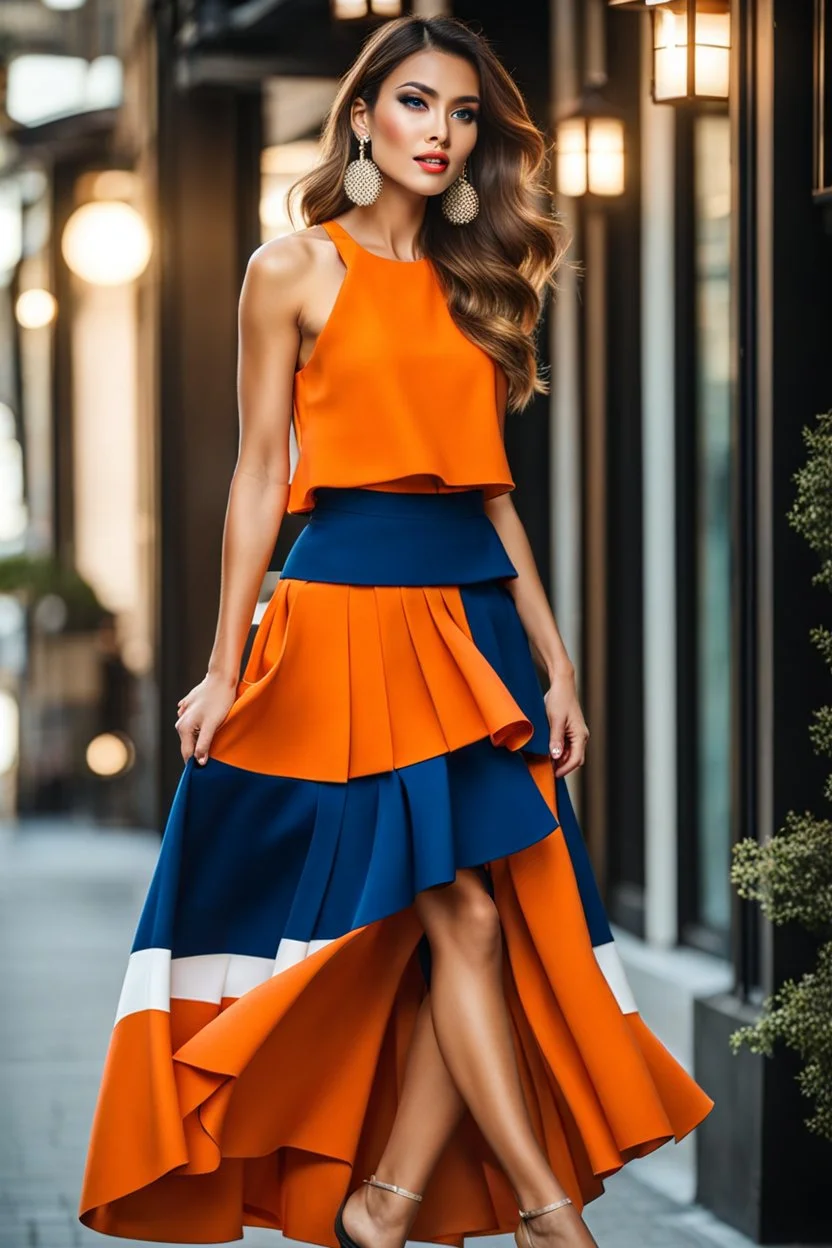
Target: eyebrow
{"points": [[467, 99]]}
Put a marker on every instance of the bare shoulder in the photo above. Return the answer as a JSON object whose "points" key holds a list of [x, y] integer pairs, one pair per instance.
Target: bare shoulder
{"points": [[292, 256], [278, 272]]}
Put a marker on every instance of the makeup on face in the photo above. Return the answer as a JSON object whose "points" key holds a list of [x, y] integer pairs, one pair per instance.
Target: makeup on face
{"points": [[435, 133]]}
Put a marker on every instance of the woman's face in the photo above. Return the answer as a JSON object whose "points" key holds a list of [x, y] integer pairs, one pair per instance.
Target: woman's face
{"points": [[428, 106]]}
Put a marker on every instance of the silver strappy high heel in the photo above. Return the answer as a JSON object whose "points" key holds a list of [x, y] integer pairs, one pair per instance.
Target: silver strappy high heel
{"points": [[527, 1214], [346, 1240]]}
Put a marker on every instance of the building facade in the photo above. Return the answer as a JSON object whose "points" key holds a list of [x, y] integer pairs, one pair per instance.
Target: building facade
{"points": [[690, 366]]}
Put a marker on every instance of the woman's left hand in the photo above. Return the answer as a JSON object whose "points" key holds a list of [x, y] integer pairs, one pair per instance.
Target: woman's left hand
{"points": [[568, 733]]}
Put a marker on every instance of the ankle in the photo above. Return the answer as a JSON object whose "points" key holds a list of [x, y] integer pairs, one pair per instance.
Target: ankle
{"points": [[388, 1209], [539, 1198]]}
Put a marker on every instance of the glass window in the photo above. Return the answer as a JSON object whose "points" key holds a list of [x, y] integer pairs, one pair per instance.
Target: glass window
{"points": [[712, 520]]}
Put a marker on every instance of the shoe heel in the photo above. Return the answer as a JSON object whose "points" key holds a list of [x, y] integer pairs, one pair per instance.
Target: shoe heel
{"points": [[340, 1231]]}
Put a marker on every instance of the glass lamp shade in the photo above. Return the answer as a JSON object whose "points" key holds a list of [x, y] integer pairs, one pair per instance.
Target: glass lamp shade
{"points": [[590, 155], [348, 10], [691, 51]]}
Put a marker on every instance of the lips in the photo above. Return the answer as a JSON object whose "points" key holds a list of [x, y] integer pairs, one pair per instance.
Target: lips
{"points": [[432, 162]]}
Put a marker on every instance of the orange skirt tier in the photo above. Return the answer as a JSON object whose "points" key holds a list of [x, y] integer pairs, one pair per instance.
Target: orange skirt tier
{"points": [[384, 736]]}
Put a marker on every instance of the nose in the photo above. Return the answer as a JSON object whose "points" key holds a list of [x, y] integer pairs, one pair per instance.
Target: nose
{"points": [[441, 134]]}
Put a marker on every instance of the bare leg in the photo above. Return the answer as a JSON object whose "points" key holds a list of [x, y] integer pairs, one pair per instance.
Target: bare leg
{"points": [[429, 1110], [474, 1037], [461, 1052]]}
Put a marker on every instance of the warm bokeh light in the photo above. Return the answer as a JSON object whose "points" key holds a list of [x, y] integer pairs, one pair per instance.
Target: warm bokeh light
{"points": [[110, 754], [35, 309], [9, 731], [106, 243], [280, 165], [590, 156], [137, 655], [712, 57], [571, 157], [606, 156]]}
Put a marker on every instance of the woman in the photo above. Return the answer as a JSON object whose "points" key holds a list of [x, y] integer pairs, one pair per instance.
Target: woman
{"points": [[373, 948]]}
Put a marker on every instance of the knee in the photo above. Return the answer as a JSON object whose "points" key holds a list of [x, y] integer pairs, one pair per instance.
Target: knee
{"points": [[480, 924], [465, 922]]}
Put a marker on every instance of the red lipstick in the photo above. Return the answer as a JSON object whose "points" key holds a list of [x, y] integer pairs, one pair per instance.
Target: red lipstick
{"points": [[432, 162]]}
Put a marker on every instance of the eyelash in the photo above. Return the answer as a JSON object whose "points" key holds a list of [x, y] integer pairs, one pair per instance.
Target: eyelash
{"points": [[472, 114]]}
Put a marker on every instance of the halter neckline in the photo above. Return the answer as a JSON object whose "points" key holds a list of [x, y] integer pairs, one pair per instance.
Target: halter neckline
{"points": [[384, 259]]}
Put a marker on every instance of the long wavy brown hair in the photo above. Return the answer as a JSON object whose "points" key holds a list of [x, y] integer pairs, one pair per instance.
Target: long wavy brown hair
{"points": [[495, 270]]}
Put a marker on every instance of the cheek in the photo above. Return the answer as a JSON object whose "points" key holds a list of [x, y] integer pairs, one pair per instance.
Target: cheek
{"points": [[395, 128]]}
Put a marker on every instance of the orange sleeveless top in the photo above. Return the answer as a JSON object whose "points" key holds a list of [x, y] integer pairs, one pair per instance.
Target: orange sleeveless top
{"points": [[394, 396]]}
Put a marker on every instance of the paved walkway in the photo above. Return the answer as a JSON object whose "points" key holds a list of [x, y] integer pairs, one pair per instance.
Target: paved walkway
{"points": [[69, 900]]}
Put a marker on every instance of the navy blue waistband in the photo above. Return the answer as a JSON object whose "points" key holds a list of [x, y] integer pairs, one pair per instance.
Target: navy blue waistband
{"points": [[357, 536]]}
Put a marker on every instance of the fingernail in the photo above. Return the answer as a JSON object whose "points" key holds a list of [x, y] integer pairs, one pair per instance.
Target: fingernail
{"points": [[556, 750], [200, 758]]}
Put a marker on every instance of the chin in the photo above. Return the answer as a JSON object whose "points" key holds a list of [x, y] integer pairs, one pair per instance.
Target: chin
{"points": [[435, 185], [430, 192]]}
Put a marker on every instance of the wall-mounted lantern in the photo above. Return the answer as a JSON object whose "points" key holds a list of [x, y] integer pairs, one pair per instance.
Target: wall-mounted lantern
{"points": [[590, 149], [691, 48], [349, 10]]}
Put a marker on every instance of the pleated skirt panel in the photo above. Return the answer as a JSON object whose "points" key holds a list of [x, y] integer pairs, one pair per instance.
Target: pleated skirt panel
{"points": [[389, 730]]}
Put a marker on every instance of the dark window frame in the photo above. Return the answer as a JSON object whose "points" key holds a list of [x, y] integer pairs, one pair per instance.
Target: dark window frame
{"points": [[625, 859]]}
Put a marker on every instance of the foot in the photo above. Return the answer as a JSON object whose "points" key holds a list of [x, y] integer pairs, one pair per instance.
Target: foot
{"points": [[375, 1218], [562, 1228]]}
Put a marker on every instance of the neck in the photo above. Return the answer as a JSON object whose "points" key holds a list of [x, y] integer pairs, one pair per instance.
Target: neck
{"points": [[393, 225]]}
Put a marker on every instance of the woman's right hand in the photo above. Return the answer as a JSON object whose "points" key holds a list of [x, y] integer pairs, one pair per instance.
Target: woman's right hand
{"points": [[201, 712]]}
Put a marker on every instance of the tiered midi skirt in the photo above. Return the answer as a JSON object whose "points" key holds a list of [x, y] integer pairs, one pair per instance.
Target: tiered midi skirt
{"points": [[389, 729]]}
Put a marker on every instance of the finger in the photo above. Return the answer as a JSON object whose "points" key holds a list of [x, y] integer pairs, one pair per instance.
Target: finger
{"points": [[188, 732], [557, 735], [203, 743], [574, 757]]}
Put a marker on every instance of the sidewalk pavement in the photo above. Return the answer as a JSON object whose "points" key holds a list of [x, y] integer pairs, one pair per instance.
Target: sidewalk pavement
{"points": [[70, 897]]}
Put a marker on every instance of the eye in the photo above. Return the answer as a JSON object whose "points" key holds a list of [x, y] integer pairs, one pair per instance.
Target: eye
{"points": [[408, 100]]}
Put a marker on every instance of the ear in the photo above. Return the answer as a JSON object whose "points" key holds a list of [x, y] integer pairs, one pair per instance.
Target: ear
{"points": [[359, 117]]}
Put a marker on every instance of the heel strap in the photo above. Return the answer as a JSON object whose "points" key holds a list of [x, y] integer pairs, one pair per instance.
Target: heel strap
{"points": [[391, 1187], [526, 1214]]}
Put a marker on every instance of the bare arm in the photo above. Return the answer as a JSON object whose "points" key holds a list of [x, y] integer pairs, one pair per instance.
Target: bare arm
{"points": [[568, 730], [528, 592], [267, 350]]}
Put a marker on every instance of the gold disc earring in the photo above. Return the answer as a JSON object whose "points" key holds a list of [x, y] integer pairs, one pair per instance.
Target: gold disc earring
{"points": [[362, 177], [460, 203]]}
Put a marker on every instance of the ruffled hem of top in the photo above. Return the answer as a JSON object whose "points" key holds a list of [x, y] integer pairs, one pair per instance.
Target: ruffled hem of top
{"points": [[347, 680]]}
